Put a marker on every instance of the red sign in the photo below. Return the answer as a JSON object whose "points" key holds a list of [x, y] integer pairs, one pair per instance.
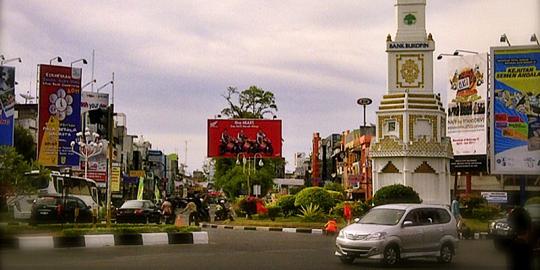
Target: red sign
{"points": [[230, 137]]}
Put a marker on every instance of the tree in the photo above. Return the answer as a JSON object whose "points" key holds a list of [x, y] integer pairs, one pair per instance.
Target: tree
{"points": [[24, 143], [12, 169], [232, 178], [253, 103]]}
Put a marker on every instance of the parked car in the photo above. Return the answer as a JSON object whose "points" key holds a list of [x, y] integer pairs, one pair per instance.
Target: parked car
{"points": [[58, 209], [138, 211], [501, 232], [397, 231]]}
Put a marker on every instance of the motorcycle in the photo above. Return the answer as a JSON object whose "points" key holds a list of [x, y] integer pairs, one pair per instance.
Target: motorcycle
{"points": [[223, 212]]}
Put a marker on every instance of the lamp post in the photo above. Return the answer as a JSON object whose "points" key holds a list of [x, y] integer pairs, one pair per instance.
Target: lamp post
{"points": [[364, 102], [247, 161], [57, 58], [3, 60], [89, 146], [79, 60]]}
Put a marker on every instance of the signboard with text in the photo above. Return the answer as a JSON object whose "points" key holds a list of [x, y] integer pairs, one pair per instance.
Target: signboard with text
{"points": [[515, 130], [467, 111], [59, 114], [231, 137], [7, 105]]}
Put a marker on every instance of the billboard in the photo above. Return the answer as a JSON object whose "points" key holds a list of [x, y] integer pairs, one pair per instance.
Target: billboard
{"points": [[515, 131], [230, 137], [59, 114], [7, 104], [467, 111], [97, 165]]}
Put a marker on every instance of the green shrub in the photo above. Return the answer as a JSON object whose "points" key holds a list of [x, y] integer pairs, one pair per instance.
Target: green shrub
{"points": [[485, 213], [533, 200], [336, 195], [295, 190], [273, 211], [396, 194], [286, 203], [471, 202], [358, 209], [311, 213], [334, 186], [316, 196]]}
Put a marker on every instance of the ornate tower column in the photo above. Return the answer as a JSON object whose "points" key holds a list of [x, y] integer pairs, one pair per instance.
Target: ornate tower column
{"points": [[410, 146]]}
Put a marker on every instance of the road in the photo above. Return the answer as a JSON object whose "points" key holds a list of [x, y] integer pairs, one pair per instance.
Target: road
{"points": [[235, 249]]}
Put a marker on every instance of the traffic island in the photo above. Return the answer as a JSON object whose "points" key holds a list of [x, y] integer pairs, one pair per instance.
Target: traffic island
{"points": [[270, 229]]}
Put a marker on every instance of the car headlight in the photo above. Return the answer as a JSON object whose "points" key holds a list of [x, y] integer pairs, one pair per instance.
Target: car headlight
{"points": [[502, 226], [341, 234], [376, 236], [492, 225]]}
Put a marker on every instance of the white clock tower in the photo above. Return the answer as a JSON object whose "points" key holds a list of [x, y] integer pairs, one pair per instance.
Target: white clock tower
{"points": [[411, 147]]}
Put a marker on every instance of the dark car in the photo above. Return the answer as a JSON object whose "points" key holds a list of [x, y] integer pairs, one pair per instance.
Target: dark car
{"points": [[502, 233], [138, 211], [58, 209]]}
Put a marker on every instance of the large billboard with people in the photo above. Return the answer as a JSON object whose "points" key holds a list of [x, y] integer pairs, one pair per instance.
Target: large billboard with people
{"points": [[59, 114], [231, 137], [7, 104], [515, 118], [467, 110]]}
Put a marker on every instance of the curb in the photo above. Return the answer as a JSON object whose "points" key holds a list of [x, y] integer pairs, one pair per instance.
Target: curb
{"points": [[270, 229], [102, 240]]}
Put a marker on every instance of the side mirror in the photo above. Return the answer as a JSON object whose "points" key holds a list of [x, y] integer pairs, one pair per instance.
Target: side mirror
{"points": [[407, 223]]}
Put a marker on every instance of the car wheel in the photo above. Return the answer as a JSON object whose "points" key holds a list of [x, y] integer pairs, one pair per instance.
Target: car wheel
{"points": [[447, 253], [346, 259], [391, 255]]}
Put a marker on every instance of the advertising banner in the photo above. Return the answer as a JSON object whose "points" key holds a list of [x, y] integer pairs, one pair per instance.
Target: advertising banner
{"points": [[230, 137], [515, 130], [97, 165], [59, 114], [467, 111], [115, 178], [7, 104]]}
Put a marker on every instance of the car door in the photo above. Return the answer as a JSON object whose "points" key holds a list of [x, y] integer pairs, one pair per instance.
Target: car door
{"points": [[433, 228], [412, 235]]}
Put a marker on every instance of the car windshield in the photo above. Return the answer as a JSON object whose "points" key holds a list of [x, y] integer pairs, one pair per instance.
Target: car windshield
{"points": [[132, 204], [382, 217], [46, 201]]}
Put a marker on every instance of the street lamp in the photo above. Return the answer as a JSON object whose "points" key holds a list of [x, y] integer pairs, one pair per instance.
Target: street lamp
{"points": [[89, 146], [535, 39], [456, 52], [364, 102], [82, 59], [57, 58], [504, 38], [103, 86], [3, 60], [88, 83], [247, 161], [440, 56]]}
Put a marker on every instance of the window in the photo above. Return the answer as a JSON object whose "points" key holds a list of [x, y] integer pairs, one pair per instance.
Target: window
{"points": [[423, 129], [391, 126]]}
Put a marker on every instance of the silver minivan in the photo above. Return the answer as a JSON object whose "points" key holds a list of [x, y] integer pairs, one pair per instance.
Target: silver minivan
{"points": [[397, 231]]}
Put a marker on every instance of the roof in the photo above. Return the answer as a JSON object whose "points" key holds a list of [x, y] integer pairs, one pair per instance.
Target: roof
{"points": [[406, 206]]}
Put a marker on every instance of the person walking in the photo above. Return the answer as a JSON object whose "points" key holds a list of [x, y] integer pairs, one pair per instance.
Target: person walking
{"points": [[455, 211], [331, 227], [347, 212], [191, 208], [167, 210]]}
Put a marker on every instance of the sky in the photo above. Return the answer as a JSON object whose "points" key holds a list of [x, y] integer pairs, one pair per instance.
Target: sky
{"points": [[173, 60]]}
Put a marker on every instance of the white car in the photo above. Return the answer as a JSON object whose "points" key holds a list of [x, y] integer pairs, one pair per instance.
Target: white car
{"points": [[397, 231]]}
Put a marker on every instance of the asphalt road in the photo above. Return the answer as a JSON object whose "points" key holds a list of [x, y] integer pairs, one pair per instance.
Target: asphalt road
{"points": [[235, 249]]}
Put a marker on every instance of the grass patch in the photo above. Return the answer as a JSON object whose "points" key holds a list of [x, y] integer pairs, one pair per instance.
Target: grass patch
{"points": [[476, 225], [82, 229], [289, 222]]}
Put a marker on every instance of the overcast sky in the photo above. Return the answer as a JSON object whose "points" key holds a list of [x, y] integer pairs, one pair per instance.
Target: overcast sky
{"points": [[173, 60]]}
